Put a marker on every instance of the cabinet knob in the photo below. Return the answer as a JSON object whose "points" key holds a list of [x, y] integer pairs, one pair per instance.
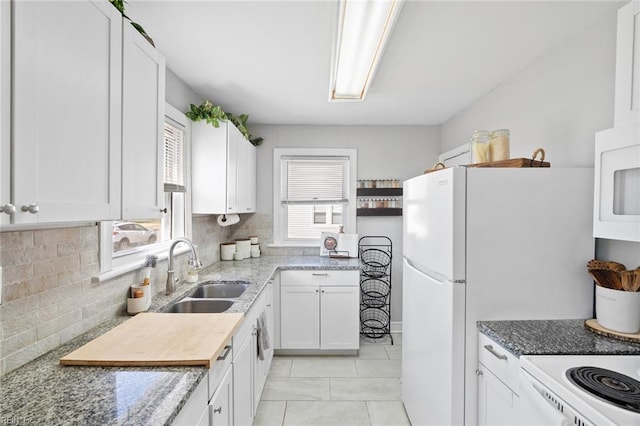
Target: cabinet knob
{"points": [[217, 410], [316, 291], [163, 210], [31, 208], [9, 209]]}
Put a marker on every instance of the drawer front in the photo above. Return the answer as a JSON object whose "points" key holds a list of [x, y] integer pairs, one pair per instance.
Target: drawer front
{"points": [[319, 277], [502, 363], [218, 368]]}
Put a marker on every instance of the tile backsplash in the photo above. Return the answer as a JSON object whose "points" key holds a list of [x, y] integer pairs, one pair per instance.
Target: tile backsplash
{"points": [[48, 294]]}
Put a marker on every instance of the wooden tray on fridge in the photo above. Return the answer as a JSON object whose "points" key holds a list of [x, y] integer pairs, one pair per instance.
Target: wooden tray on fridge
{"points": [[513, 162]]}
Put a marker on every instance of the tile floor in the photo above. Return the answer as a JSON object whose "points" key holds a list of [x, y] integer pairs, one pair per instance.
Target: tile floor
{"points": [[336, 390]]}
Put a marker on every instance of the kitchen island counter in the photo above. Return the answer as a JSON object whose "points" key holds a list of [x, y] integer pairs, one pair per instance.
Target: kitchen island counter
{"points": [[45, 392], [553, 337]]}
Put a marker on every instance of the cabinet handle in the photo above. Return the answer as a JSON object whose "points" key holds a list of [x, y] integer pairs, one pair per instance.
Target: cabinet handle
{"points": [[494, 353], [217, 410], [9, 209], [479, 373], [319, 275], [163, 210], [31, 208], [248, 209], [227, 349]]}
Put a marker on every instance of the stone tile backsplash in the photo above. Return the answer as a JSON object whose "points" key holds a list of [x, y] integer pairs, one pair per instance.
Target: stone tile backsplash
{"points": [[49, 297]]}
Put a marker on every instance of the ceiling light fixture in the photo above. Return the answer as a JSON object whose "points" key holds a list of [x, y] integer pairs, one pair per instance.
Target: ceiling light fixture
{"points": [[364, 27]]}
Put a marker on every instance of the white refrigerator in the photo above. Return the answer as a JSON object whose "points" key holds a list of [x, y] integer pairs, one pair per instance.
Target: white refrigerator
{"points": [[485, 244]]}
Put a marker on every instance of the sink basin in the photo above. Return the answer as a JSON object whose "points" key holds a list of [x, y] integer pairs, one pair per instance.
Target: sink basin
{"points": [[220, 290], [200, 306]]}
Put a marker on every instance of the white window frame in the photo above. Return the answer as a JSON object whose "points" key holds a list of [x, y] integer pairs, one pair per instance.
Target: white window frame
{"points": [[349, 209], [110, 267]]}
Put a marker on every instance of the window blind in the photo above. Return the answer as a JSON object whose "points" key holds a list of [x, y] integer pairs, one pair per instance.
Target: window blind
{"points": [[314, 180], [173, 159]]}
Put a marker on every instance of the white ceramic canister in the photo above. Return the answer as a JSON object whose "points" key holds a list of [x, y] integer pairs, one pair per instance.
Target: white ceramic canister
{"points": [[243, 246], [254, 239], [227, 250], [618, 310]]}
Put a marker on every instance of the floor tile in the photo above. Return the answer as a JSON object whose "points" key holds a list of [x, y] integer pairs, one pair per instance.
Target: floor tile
{"points": [[280, 366], [344, 413], [270, 413], [372, 352], [387, 413], [297, 389], [394, 351], [378, 368], [397, 338], [323, 367], [365, 389]]}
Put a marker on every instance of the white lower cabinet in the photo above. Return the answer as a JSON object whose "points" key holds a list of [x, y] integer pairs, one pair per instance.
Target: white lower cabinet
{"points": [[221, 404], [243, 384], [249, 371], [319, 310], [497, 384]]}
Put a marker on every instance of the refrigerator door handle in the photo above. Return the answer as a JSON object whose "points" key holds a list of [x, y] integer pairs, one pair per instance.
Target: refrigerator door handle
{"points": [[431, 274]]}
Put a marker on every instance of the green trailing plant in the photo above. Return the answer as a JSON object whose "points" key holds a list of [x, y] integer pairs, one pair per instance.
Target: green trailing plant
{"points": [[119, 4], [213, 114]]}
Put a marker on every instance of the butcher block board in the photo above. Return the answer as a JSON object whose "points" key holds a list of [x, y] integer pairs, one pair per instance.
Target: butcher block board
{"points": [[159, 339], [513, 162], [592, 325]]}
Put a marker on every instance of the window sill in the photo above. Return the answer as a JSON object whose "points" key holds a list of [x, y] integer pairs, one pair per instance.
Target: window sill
{"points": [[125, 268]]}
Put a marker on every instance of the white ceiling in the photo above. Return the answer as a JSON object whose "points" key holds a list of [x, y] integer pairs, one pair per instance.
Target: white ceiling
{"points": [[271, 59]]}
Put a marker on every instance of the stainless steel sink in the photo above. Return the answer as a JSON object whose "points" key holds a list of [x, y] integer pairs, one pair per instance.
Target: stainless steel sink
{"points": [[199, 306], [220, 290]]}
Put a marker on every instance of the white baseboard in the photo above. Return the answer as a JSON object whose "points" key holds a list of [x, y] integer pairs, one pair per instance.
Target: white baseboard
{"points": [[395, 326]]}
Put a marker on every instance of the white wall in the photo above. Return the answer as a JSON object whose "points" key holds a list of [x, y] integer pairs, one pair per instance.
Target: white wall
{"points": [[557, 103], [383, 152]]}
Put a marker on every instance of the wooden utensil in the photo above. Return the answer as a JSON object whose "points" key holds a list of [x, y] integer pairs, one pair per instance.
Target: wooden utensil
{"points": [[631, 280], [605, 264], [607, 278]]}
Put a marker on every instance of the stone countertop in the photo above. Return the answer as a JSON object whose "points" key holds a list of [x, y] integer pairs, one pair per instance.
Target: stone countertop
{"points": [[553, 337], [45, 392]]}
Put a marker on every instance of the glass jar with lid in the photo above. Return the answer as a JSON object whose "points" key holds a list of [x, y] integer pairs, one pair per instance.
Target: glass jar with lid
{"points": [[499, 142], [480, 146]]}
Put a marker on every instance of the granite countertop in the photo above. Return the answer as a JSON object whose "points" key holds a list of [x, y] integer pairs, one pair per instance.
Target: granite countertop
{"points": [[553, 337], [45, 392]]}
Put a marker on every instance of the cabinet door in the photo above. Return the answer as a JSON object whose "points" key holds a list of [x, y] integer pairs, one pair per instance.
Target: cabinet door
{"points": [[5, 108], [66, 111], [243, 383], [339, 318], [247, 177], [299, 322], [234, 140], [221, 404], [627, 97], [497, 404], [143, 80], [208, 168]]}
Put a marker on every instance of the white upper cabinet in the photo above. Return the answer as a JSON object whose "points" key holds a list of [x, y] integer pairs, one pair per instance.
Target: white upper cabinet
{"points": [[246, 176], [221, 164], [5, 109], [627, 96], [143, 82], [66, 105]]}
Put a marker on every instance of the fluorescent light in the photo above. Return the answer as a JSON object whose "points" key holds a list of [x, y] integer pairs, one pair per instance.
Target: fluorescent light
{"points": [[364, 26]]}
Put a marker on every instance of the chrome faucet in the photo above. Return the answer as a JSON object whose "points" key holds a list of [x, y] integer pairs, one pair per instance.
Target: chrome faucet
{"points": [[193, 261]]}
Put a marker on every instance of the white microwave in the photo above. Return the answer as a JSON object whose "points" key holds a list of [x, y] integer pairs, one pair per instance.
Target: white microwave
{"points": [[616, 213]]}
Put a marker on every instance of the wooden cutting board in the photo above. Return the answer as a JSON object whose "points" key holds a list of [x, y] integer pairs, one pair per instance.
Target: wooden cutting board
{"points": [[159, 339]]}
